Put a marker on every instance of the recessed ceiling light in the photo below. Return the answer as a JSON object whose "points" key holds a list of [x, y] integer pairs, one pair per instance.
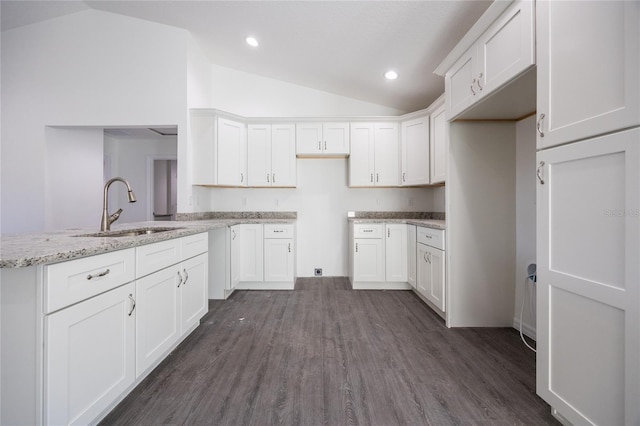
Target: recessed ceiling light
{"points": [[251, 41], [391, 75]]}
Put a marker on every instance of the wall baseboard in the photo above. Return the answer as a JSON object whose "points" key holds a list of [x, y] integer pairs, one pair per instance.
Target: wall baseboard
{"points": [[527, 330]]}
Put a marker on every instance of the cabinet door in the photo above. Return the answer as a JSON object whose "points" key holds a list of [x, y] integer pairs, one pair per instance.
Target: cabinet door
{"points": [[336, 138], [278, 260], [437, 288], [193, 293], [89, 356], [415, 152], [423, 267], [309, 139], [251, 257], [157, 326], [411, 255], [439, 145], [259, 155], [361, 160], [283, 155], [232, 152], [507, 48], [588, 295], [368, 260], [386, 154], [235, 257], [459, 90], [396, 252], [588, 67]]}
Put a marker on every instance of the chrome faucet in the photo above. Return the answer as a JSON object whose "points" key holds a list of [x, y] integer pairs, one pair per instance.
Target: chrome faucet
{"points": [[107, 219]]}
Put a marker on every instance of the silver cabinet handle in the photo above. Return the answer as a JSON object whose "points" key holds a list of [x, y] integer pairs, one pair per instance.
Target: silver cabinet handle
{"points": [[478, 81], [101, 274], [273, 179], [377, 177], [319, 145], [539, 125], [289, 247], [186, 276], [539, 172], [233, 233], [404, 177], [429, 257], [388, 233], [472, 83], [325, 145], [424, 256], [133, 304], [267, 177], [356, 247], [371, 177], [179, 276]]}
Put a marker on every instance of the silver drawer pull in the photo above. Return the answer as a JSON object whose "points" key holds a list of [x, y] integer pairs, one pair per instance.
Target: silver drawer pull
{"points": [[289, 247], [186, 276], [101, 274], [133, 304], [278, 230], [179, 276]]}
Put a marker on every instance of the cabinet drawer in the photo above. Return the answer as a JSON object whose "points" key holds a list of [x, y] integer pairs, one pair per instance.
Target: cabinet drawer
{"points": [[156, 256], [431, 237], [194, 245], [278, 231], [375, 230], [70, 282]]}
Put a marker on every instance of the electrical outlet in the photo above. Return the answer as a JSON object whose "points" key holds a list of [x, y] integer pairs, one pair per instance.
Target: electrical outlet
{"points": [[317, 272], [410, 202]]}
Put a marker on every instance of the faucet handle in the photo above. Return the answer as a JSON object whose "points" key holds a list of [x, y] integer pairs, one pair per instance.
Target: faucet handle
{"points": [[115, 216]]}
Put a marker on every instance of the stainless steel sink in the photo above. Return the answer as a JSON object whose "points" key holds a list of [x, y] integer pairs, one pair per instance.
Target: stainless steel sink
{"points": [[128, 232]]}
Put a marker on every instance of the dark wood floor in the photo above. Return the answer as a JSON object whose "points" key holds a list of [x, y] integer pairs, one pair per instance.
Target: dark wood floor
{"points": [[325, 354]]}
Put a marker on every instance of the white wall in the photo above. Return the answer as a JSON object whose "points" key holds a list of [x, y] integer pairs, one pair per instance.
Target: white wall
{"points": [[89, 68], [322, 200], [525, 222], [251, 95], [130, 160], [73, 178]]}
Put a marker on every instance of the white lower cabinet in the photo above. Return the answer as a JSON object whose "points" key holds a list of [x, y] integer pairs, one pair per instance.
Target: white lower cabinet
{"points": [[157, 325], [368, 260], [588, 295], [278, 259], [430, 271], [396, 252], [411, 255], [430, 260], [251, 257], [97, 348], [89, 356], [234, 258]]}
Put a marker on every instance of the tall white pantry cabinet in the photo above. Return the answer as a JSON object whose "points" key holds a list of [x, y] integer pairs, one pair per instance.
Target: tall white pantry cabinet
{"points": [[588, 210]]}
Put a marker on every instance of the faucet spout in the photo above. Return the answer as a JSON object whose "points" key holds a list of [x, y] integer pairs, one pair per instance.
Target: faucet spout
{"points": [[107, 219]]}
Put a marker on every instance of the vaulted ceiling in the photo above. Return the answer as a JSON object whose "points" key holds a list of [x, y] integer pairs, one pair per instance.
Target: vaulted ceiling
{"points": [[341, 47]]}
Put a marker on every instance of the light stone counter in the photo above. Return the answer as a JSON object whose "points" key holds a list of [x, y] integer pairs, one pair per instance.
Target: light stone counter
{"points": [[23, 250], [429, 223], [435, 220]]}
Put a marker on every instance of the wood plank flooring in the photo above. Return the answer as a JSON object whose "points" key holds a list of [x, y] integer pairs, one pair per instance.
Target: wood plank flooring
{"points": [[325, 354]]}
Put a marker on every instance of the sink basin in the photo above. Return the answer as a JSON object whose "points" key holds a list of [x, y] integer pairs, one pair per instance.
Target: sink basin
{"points": [[129, 232]]}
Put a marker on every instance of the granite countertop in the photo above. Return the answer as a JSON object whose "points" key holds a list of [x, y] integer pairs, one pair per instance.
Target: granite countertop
{"points": [[23, 250], [429, 223], [435, 220]]}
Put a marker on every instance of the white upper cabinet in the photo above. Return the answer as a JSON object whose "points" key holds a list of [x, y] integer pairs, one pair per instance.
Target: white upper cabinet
{"points": [[283, 155], [439, 145], [361, 162], [219, 150], [504, 51], [588, 69], [271, 155], [374, 155], [415, 152], [322, 139]]}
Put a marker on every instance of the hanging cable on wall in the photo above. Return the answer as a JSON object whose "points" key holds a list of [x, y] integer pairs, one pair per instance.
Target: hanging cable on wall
{"points": [[530, 281]]}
